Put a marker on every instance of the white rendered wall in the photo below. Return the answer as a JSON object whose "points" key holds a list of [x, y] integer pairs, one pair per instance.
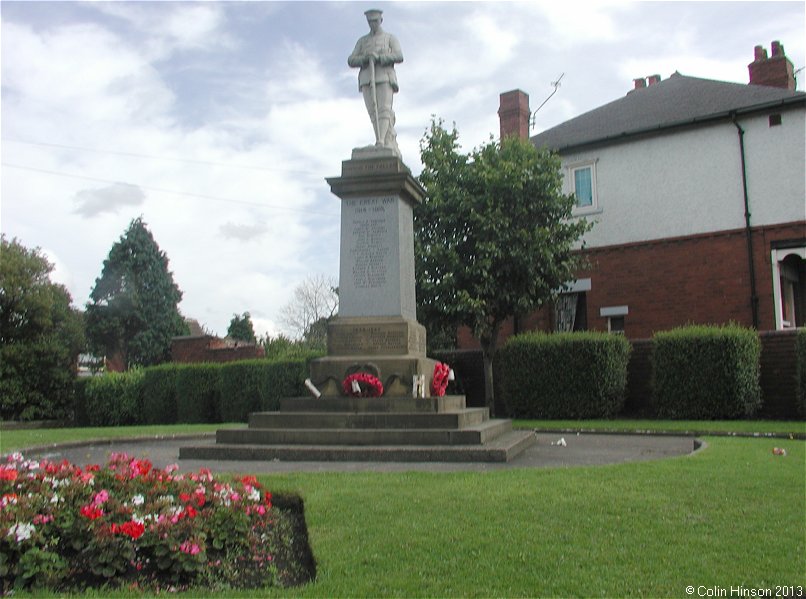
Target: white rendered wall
{"points": [[690, 182]]}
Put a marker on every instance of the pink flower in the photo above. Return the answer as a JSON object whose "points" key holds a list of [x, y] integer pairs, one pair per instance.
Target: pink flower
{"points": [[189, 548], [100, 498]]}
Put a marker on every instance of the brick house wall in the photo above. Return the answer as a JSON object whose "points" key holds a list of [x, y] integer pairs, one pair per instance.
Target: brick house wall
{"points": [[208, 348]]}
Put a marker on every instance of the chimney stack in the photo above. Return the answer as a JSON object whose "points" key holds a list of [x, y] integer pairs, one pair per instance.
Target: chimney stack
{"points": [[640, 83], [514, 114], [773, 71], [653, 79]]}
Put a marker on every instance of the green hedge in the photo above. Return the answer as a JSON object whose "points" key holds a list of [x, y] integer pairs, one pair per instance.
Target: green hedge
{"points": [[198, 389], [115, 399], [564, 375], [702, 373], [188, 393], [159, 394], [257, 386], [800, 356]]}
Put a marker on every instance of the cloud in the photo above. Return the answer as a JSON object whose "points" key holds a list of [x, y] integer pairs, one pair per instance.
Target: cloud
{"points": [[243, 232], [92, 202]]}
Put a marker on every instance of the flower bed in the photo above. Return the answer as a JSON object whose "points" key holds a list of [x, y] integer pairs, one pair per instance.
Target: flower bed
{"points": [[68, 528]]}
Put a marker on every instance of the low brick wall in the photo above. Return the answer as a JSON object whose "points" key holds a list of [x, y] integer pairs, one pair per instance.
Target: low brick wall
{"points": [[208, 348]]}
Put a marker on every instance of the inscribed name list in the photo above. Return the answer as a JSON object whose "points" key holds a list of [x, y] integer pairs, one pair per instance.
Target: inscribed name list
{"points": [[369, 277]]}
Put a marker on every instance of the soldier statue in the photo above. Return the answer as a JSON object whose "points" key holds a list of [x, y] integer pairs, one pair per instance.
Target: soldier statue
{"points": [[376, 54]]}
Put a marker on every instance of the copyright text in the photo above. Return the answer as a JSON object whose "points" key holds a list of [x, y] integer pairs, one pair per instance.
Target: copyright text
{"points": [[743, 591]]}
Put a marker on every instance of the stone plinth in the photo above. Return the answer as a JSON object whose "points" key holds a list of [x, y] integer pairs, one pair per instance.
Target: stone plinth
{"points": [[376, 330]]}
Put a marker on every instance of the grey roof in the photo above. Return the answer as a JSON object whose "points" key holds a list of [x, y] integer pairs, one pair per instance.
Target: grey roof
{"points": [[677, 101]]}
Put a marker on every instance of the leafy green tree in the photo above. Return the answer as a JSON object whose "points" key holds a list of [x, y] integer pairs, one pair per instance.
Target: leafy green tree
{"points": [[133, 310], [494, 238], [241, 329], [41, 336]]}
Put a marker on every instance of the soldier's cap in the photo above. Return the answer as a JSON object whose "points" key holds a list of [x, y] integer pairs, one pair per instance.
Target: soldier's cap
{"points": [[373, 13]]}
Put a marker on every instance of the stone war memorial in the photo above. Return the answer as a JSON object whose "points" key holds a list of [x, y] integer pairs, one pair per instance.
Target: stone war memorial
{"points": [[374, 397]]}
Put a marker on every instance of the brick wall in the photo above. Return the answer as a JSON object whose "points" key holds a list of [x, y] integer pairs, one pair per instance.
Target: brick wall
{"points": [[208, 348], [779, 374], [701, 279]]}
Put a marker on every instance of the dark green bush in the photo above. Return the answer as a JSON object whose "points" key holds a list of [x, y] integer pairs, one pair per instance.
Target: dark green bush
{"points": [[800, 356], [159, 394], [702, 372], [198, 388], [257, 385], [115, 399], [80, 416], [36, 380], [566, 375]]}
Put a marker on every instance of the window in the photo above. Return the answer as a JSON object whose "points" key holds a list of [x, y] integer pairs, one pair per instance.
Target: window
{"points": [[582, 183], [615, 318], [615, 324], [775, 120], [583, 187]]}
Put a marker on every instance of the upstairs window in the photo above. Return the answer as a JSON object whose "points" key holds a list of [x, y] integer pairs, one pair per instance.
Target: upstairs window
{"points": [[583, 187], [582, 183]]}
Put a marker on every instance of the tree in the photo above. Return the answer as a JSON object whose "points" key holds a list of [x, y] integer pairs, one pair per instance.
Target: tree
{"points": [[494, 238], [241, 329], [133, 310], [41, 336], [315, 303]]}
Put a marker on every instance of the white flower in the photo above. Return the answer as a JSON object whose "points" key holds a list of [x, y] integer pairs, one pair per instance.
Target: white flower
{"points": [[138, 500], [55, 499], [254, 495], [21, 531]]}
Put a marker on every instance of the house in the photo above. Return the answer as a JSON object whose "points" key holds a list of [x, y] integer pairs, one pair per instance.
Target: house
{"points": [[698, 194]]}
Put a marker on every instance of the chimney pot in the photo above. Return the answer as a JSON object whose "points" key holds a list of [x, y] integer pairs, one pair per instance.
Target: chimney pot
{"points": [[773, 71]]}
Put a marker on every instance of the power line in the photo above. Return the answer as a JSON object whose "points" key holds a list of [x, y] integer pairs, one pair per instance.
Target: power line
{"points": [[152, 157], [171, 191]]}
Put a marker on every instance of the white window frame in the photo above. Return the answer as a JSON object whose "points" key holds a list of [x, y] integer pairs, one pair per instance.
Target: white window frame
{"points": [[570, 178], [776, 257]]}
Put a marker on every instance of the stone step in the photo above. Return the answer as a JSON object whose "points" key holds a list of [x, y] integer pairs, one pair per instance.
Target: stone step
{"points": [[368, 420], [502, 449], [473, 435], [447, 403]]}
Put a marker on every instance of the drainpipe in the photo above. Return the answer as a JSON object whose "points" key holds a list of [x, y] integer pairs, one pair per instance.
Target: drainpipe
{"points": [[748, 231]]}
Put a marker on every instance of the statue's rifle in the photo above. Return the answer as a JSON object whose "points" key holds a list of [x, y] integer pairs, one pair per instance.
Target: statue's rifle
{"points": [[374, 99]]}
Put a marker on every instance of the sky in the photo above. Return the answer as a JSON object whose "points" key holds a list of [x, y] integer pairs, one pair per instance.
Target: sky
{"points": [[218, 122]]}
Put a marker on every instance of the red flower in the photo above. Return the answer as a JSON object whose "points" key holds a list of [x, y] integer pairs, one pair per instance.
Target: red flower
{"points": [[91, 512], [250, 480], [132, 529], [140, 467], [8, 473]]}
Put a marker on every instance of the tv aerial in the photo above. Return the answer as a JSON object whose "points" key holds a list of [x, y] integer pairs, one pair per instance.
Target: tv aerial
{"points": [[556, 85]]}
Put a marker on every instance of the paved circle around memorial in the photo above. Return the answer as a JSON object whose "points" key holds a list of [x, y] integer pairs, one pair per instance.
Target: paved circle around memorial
{"points": [[552, 450]]}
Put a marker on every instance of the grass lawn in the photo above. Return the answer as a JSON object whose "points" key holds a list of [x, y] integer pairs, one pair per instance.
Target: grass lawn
{"points": [[697, 427], [12, 440], [731, 515]]}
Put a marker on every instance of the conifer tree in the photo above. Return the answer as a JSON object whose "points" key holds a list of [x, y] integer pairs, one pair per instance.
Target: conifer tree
{"points": [[133, 310], [241, 329]]}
